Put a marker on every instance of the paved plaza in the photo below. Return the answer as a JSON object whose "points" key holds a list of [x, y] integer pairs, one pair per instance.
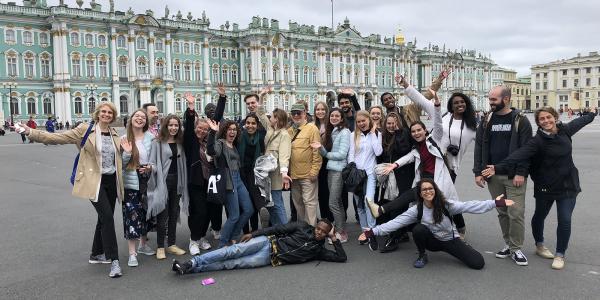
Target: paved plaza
{"points": [[47, 235]]}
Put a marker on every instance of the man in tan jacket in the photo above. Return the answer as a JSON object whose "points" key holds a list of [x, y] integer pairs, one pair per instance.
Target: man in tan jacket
{"points": [[305, 163]]}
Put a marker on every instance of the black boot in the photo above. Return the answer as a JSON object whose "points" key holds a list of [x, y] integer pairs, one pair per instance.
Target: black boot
{"points": [[182, 268]]}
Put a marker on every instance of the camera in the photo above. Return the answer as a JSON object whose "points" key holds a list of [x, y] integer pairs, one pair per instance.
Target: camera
{"points": [[453, 149]]}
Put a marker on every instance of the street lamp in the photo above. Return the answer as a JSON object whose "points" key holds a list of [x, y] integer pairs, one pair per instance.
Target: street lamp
{"points": [[91, 89], [10, 86]]}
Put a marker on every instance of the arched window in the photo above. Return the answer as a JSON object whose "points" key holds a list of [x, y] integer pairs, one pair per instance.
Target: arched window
{"points": [[123, 104], [90, 63], [123, 67], [121, 42], [14, 105], [178, 103], [197, 49], [234, 75], [187, 71], [102, 40], [74, 38], [215, 74], [45, 65], [91, 105], [78, 106], [305, 76], [31, 107], [9, 36], [225, 74], [47, 104], [214, 53], [141, 43], [29, 65], [177, 70], [198, 71], [233, 54], [296, 75], [76, 66], [176, 47], [160, 68], [263, 73], [224, 53], [11, 64], [27, 37], [160, 103], [158, 45], [89, 40], [314, 76], [103, 66], [142, 66]]}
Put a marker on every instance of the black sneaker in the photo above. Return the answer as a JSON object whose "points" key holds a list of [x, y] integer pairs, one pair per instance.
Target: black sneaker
{"points": [[421, 261], [504, 253], [99, 259], [182, 268], [520, 258], [373, 245], [390, 245]]}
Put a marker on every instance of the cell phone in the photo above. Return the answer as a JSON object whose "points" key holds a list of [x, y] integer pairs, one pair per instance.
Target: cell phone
{"points": [[208, 281]]}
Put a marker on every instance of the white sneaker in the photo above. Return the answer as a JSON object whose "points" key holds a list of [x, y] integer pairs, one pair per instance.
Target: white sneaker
{"points": [[194, 247], [216, 234], [132, 262], [146, 250], [115, 269], [204, 244]]}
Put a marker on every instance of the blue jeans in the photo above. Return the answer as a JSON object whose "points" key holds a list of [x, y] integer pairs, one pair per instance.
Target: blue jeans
{"points": [[254, 253], [564, 210], [237, 199], [366, 219], [277, 211]]}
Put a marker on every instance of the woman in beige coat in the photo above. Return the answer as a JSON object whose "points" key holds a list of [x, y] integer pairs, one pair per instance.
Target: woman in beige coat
{"points": [[277, 143], [99, 176]]}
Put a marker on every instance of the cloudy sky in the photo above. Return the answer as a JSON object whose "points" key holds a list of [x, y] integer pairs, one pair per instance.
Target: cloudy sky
{"points": [[517, 33]]}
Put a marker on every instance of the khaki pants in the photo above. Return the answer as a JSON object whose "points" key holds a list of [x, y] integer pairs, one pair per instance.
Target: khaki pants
{"points": [[304, 195], [512, 219]]}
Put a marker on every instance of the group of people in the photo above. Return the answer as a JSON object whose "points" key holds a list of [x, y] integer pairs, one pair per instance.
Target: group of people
{"points": [[401, 175]]}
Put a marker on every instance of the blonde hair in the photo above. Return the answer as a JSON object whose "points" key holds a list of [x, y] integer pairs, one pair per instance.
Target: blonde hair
{"points": [[357, 132], [381, 123], [96, 115]]}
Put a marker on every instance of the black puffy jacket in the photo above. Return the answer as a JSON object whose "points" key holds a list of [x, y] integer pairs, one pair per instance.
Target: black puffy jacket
{"points": [[296, 244]]}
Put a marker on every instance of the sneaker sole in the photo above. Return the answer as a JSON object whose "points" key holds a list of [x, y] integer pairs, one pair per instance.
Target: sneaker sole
{"points": [[523, 264], [116, 275], [502, 255], [97, 262], [132, 265]]}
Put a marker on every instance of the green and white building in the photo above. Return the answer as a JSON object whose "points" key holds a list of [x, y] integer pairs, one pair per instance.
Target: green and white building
{"points": [[61, 61]]}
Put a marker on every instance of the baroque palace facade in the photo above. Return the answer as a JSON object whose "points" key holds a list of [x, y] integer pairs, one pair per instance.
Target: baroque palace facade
{"points": [[61, 61]]}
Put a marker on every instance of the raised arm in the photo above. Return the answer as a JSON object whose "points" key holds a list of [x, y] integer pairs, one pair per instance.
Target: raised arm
{"points": [[438, 129], [220, 110], [437, 83], [213, 147], [73, 136], [405, 160], [574, 126]]}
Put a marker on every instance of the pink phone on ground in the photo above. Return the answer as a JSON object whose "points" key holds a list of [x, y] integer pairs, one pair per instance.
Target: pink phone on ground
{"points": [[208, 281]]}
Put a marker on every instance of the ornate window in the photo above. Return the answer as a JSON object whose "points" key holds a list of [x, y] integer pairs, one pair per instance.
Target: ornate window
{"points": [[14, 105], [90, 63], [102, 41], [178, 103], [47, 106], [75, 39], [305, 55], [314, 76], [296, 75], [31, 106], [186, 48], [305, 78], [29, 65], [142, 66], [89, 40], [141, 43], [123, 66], [286, 73], [225, 74], [27, 38], [177, 70], [11, 64], [215, 73], [196, 49], [234, 75], [160, 68], [158, 45], [233, 54], [214, 53], [76, 66], [198, 71], [263, 73], [9, 36], [45, 65], [187, 71], [103, 66], [224, 53], [121, 43], [78, 105], [176, 47], [91, 105], [123, 104]]}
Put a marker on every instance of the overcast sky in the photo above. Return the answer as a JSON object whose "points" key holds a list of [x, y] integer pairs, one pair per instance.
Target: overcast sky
{"points": [[517, 33]]}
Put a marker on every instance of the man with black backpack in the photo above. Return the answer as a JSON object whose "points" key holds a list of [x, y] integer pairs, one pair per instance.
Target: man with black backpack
{"points": [[502, 131]]}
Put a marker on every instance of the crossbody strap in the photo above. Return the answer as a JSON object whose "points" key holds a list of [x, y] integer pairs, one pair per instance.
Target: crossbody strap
{"points": [[462, 125], [87, 134]]}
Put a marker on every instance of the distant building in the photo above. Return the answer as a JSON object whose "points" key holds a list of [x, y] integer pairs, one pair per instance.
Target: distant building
{"points": [[55, 53], [567, 83]]}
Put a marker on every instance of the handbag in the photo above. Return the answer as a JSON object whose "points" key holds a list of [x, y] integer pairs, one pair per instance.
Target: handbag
{"points": [[216, 191], [76, 162], [353, 178]]}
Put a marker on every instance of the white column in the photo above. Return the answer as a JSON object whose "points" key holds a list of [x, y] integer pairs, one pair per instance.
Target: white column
{"points": [[462, 73], [372, 60], [362, 60], [270, 64], [352, 77], [416, 73], [152, 63], [321, 56], [62, 98], [170, 98], [205, 56], [280, 57], [394, 71], [131, 48], [168, 61], [242, 70], [336, 67], [292, 69]]}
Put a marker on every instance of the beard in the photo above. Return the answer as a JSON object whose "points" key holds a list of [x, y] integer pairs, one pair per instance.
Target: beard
{"points": [[499, 107], [346, 109]]}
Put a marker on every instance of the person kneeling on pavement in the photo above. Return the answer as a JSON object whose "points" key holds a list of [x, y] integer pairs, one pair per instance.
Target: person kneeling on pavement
{"points": [[433, 229], [285, 244]]}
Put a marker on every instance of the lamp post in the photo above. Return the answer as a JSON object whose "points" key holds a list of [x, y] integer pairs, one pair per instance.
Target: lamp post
{"points": [[10, 86], [91, 89]]}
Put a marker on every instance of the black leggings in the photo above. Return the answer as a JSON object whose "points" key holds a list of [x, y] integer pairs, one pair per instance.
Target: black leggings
{"points": [[198, 211], [425, 240], [105, 238], [170, 214]]}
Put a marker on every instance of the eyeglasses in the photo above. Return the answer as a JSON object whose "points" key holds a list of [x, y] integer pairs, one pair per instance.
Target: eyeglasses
{"points": [[296, 112], [232, 129], [427, 190]]}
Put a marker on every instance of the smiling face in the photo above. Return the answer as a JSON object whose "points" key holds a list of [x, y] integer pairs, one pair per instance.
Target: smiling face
{"points": [[231, 133], [252, 104], [391, 125], [335, 118], [458, 105], [427, 193], [376, 114], [201, 130], [152, 112], [321, 231], [496, 101], [345, 105], [417, 132], [547, 121], [173, 127], [320, 111], [106, 114], [388, 101], [251, 125], [363, 123], [138, 120]]}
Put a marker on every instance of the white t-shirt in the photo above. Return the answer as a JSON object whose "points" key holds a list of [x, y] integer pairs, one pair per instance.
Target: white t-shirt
{"points": [[142, 151], [468, 136]]}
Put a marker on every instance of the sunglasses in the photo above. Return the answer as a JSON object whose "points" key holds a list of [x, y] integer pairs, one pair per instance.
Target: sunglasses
{"points": [[296, 112]]}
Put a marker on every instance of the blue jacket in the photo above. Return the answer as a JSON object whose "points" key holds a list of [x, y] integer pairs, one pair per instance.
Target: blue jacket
{"points": [[130, 177], [338, 156]]}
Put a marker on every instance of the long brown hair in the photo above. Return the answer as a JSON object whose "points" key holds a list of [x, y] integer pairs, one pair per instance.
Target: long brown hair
{"points": [[328, 141], [282, 118], [223, 131], [317, 121], [163, 135], [134, 162], [388, 137], [439, 201]]}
